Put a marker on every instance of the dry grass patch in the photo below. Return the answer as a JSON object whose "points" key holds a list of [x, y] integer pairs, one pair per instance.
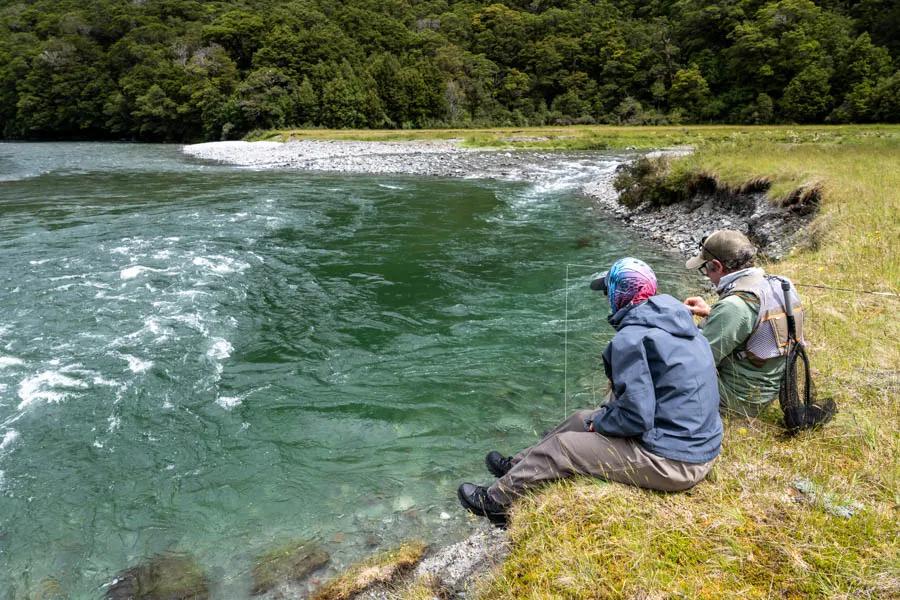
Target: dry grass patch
{"points": [[380, 569], [424, 588]]}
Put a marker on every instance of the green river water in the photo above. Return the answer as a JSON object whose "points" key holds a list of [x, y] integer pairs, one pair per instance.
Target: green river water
{"points": [[208, 359]]}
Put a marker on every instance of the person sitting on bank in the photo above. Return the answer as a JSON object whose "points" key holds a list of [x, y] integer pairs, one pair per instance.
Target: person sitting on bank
{"points": [[747, 327], [661, 428]]}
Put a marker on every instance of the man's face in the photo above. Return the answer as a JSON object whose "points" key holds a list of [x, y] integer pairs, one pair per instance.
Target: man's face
{"points": [[713, 270]]}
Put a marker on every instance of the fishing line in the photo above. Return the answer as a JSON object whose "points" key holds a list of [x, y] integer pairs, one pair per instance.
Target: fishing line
{"points": [[566, 352], [683, 273], [852, 291]]}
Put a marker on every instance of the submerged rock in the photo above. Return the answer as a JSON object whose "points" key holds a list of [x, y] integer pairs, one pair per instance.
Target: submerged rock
{"points": [[50, 589], [167, 576], [289, 563]]}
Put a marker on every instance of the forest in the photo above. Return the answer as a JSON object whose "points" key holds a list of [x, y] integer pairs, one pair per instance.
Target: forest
{"points": [[189, 70]]}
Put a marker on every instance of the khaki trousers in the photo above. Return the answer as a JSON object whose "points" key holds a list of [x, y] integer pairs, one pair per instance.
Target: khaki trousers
{"points": [[569, 450]]}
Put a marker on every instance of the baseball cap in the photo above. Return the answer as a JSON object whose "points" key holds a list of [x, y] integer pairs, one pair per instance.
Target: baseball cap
{"points": [[722, 245]]}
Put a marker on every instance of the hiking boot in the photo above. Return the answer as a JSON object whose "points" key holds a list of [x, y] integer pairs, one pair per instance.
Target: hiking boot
{"points": [[498, 464], [475, 499]]}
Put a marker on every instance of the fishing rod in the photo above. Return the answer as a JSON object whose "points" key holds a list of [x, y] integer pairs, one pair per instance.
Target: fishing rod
{"points": [[894, 295], [595, 268]]}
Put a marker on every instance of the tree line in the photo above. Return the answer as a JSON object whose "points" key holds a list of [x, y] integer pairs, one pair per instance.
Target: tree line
{"points": [[180, 70]]}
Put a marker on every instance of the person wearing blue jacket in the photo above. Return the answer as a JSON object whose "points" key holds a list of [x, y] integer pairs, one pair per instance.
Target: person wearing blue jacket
{"points": [[659, 430]]}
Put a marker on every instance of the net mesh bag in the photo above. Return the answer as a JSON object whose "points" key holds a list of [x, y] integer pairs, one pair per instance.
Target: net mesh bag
{"points": [[797, 395]]}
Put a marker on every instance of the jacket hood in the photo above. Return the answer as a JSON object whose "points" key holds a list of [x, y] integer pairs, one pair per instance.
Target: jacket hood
{"points": [[662, 312]]}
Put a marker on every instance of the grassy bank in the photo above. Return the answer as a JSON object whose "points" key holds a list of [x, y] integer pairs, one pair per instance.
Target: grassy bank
{"points": [[598, 137], [749, 532]]}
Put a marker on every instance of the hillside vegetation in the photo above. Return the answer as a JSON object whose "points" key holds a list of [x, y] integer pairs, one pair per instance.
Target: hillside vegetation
{"points": [[191, 69]]}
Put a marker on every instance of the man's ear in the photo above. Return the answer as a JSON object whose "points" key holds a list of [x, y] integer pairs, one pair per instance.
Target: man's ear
{"points": [[718, 265]]}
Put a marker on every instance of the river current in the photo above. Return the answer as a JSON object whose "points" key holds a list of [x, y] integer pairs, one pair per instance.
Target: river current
{"points": [[209, 359]]}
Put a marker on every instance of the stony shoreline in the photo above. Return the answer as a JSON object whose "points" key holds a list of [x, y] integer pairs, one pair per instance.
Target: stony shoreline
{"points": [[680, 227], [676, 227], [438, 158]]}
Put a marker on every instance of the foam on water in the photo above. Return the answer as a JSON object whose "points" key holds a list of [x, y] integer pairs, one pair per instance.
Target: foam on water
{"points": [[113, 423], [191, 294], [8, 439], [22, 176], [221, 265], [100, 380], [135, 364], [50, 386], [220, 349], [228, 402], [10, 361], [137, 270]]}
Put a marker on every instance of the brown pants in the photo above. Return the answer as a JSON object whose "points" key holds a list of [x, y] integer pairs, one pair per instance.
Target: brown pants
{"points": [[569, 450]]}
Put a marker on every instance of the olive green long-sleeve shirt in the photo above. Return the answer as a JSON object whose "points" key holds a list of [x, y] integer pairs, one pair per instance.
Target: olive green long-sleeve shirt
{"points": [[745, 387]]}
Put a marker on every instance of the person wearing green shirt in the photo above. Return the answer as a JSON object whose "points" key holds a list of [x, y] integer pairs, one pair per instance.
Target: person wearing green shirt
{"points": [[747, 382]]}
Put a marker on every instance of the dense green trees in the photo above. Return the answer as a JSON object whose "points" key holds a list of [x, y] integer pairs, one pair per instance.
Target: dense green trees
{"points": [[192, 69]]}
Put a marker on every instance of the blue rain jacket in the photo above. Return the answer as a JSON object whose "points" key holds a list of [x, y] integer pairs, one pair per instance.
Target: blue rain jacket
{"points": [[663, 382]]}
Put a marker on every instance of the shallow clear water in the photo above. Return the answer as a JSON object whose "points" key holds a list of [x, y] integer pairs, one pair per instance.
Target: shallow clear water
{"points": [[208, 359]]}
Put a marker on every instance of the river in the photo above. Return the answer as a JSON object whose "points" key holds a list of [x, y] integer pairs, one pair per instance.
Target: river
{"points": [[212, 359]]}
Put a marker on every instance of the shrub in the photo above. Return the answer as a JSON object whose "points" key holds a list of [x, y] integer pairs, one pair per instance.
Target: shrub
{"points": [[655, 181]]}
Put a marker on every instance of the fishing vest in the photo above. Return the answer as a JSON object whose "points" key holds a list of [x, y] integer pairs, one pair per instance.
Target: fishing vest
{"points": [[769, 338]]}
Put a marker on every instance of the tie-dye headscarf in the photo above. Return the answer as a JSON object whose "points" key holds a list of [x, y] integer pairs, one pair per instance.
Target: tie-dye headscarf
{"points": [[629, 281]]}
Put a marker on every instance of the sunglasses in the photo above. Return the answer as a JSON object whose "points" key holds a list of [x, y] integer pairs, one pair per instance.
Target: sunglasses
{"points": [[704, 268]]}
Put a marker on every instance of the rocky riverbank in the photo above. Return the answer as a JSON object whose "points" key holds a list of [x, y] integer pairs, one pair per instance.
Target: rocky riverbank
{"points": [[437, 158], [774, 227], [453, 571]]}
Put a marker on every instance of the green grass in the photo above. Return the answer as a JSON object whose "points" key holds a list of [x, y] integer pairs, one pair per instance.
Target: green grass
{"points": [[748, 532], [599, 137]]}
